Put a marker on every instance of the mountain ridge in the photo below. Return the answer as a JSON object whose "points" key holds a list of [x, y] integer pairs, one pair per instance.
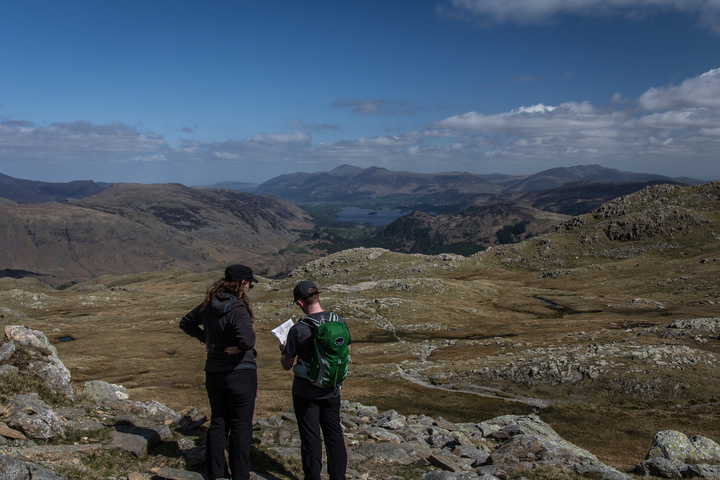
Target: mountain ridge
{"points": [[355, 184], [31, 191], [130, 228], [350, 183]]}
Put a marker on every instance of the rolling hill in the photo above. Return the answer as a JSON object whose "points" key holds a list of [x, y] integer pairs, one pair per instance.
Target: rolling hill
{"points": [[130, 228], [30, 191]]}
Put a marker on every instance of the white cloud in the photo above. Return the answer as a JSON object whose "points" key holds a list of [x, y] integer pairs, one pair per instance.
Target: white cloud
{"points": [[56, 141], [712, 132], [537, 118], [488, 12], [674, 127], [297, 137], [702, 91]]}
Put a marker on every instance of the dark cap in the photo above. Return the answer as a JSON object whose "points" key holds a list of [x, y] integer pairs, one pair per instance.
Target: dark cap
{"points": [[237, 273], [303, 290]]}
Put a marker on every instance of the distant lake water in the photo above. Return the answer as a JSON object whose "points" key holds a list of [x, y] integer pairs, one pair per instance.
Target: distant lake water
{"points": [[379, 218]]}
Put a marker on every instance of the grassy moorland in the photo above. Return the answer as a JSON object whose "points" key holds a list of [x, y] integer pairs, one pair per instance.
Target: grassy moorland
{"points": [[572, 324]]}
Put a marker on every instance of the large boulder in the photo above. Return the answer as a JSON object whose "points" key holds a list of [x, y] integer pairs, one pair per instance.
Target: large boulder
{"points": [[679, 449], [34, 417], [674, 455], [27, 337], [45, 362]]}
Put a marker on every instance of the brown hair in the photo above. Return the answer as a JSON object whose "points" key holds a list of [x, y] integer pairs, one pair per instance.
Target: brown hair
{"points": [[232, 288]]}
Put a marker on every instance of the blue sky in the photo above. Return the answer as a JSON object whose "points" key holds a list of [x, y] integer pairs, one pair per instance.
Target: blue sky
{"points": [[158, 91]]}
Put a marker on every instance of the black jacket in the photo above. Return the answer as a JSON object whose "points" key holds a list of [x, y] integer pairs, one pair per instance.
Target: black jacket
{"points": [[225, 323]]}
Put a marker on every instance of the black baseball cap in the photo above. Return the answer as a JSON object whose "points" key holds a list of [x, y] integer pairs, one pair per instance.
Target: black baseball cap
{"points": [[237, 273], [302, 290]]}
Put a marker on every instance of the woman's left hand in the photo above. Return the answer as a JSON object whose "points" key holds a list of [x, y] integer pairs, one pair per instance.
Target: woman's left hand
{"points": [[232, 350]]}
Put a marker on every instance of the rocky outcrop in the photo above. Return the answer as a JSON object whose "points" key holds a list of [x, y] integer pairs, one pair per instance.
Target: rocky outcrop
{"points": [[699, 329], [381, 445], [674, 455], [44, 361], [495, 449]]}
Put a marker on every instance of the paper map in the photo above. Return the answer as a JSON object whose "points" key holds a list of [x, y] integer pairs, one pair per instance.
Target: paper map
{"points": [[281, 332]]}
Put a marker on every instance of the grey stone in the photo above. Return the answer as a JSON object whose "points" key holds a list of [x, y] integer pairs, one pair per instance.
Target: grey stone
{"points": [[528, 451], [8, 432], [49, 367], [104, 393], [193, 419], [382, 452], [56, 376], [442, 475], [381, 435], [13, 469], [135, 444], [27, 337], [143, 426], [175, 474], [601, 471], [158, 411], [151, 436], [658, 467], [34, 417], [679, 449], [446, 462], [6, 351], [706, 450], [708, 472], [442, 423]]}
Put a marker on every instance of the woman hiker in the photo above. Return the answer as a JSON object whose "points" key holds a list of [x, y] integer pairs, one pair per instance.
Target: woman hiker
{"points": [[223, 322]]}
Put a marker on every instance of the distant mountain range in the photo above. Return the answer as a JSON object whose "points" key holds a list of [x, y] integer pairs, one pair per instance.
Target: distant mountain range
{"points": [[349, 184], [352, 184], [78, 230]]}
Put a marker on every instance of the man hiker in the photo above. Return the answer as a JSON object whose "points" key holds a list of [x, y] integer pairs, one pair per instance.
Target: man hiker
{"points": [[317, 383]]}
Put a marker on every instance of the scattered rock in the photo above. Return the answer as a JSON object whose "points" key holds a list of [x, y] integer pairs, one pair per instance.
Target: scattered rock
{"points": [[499, 448]]}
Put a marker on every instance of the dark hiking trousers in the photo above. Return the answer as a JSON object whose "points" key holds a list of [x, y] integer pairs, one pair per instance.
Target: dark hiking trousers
{"points": [[312, 417], [232, 403]]}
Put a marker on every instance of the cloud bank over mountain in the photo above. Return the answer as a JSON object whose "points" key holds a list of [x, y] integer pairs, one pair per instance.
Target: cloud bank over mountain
{"points": [[674, 129]]}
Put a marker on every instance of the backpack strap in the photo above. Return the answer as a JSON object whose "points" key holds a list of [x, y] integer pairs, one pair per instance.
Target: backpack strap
{"points": [[313, 323], [310, 322]]}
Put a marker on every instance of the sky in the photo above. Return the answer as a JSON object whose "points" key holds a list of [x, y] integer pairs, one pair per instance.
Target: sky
{"points": [[202, 92]]}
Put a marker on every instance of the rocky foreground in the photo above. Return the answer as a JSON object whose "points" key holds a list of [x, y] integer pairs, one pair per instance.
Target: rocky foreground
{"points": [[101, 433]]}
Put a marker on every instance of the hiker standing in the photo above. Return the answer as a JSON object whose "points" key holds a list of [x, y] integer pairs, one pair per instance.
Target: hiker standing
{"points": [[223, 322], [317, 408]]}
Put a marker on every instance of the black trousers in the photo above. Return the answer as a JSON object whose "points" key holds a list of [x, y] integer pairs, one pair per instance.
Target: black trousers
{"points": [[232, 403], [312, 417]]}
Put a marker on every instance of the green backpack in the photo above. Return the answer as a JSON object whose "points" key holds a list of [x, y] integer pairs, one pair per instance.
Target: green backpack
{"points": [[329, 365]]}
